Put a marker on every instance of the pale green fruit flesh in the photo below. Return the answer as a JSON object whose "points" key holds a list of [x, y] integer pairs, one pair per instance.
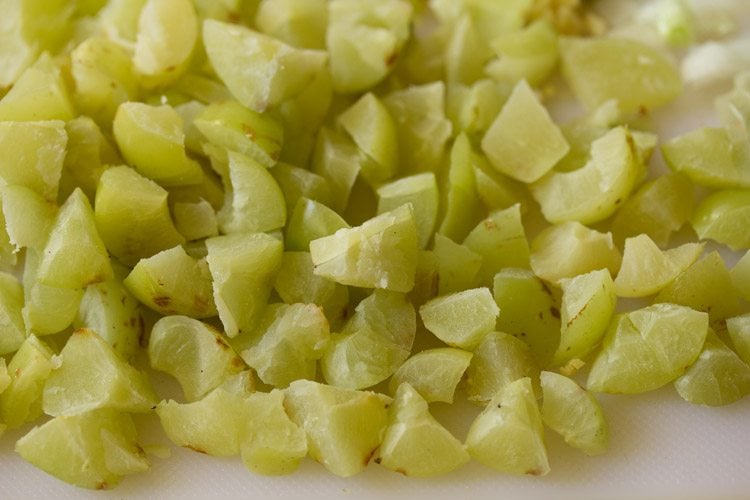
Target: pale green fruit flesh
{"points": [[648, 348], [309, 221], [39, 93], [508, 435], [724, 217], [91, 375], [433, 373], [574, 413], [415, 444], [11, 316], [457, 265], [29, 368], [739, 333], [718, 377], [344, 427], [421, 192], [91, 450], [740, 275], [461, 207], [461, 319]]}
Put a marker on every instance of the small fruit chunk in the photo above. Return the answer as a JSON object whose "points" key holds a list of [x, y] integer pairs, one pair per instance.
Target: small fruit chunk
{"points": [[461, 319], [415, 444], [433, 373], [738, 329], [508, 435], [457, 265], [12, 329], [724, 216], [740, 275], [648, 348], [344, 427], [421, 191], [574, 413], [29, 368]]}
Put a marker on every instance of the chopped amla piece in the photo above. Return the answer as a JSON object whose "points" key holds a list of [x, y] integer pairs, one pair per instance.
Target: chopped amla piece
{"points": [[373, 344], [337, 159], [422, 192], [344, 427], [461, 319], [457, 265], [499, 360], [286, 344], [508, 435], [167, 33], [91, 450], [602, 68], [588, 302], [104, 78], [433, 373], [501, 241], [574, 413], [301, 23], [33, 155], [718, 377], [195, 220], [152, 140], [260, 71], [705, 286], [297, 183], [91, 375], [254, 201], [414, 443], [74, 255], [569, 249], [658, 208], [39, 94], [132, 215], [243, 267], [465, 52], [740, 275], [529, 54], [309, 221], [381, 253], [738, 329], [28, 217], [461, 208], [270, 442], [89, 152], [646, 269], [724, 216], [473, 108], [211, 425], [523, 142], [373, 130], [12, 328], [708, 157], [172, 282], [194, 353], [114, 314], [29, 368], [364, 41], [594, 191], [231, 125], [648, 348], [528, 310]]}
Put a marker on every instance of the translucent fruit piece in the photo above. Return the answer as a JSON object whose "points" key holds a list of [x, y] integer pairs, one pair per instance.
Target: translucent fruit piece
{"points": [[457, 266], [460, 204], [530, 54], [414, 443], [259, 70], [286, 344], [167, 32], [243, 267], [421, 191], [301, 23], [309, 221], [739, 333], [508, 435], [381, 253], [461, 319], [33, 155], [28, 217], [600, 69], [704, 286], [12, 329], [89, 153], [91, 375], [528, 310], [433, 373], [648, 348], [594, 191], [569, 249], [574, 413], [39, 94], [588, 302], [523, 142], [375, 341], [499, 360], [501, 241], [344, 427], [364, 41], [724, 216], [297, 183], [337, 159], [740, 275], [718, 377], [646, 269], [91, 450], [465, 52], [29, 367], [132, 216], [152, 140], [194, 353]]}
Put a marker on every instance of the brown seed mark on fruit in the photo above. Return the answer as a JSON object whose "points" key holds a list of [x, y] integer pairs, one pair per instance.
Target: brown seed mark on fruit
{"points": [[535, 472], [578, 314], [142, 332], [17, 373], [102, 486], [369, 456], [555, 312], [390, 60], [248, 131], [546, 288], [222, 343], [233, 17], [378, 460], [162, 301], [489, 224], [171, 69], [238, 363], [200, 303], [195, 448], [401, 471]]}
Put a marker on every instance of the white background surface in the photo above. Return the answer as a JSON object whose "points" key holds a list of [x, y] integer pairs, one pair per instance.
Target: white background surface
{"points": [[661, 447]]}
